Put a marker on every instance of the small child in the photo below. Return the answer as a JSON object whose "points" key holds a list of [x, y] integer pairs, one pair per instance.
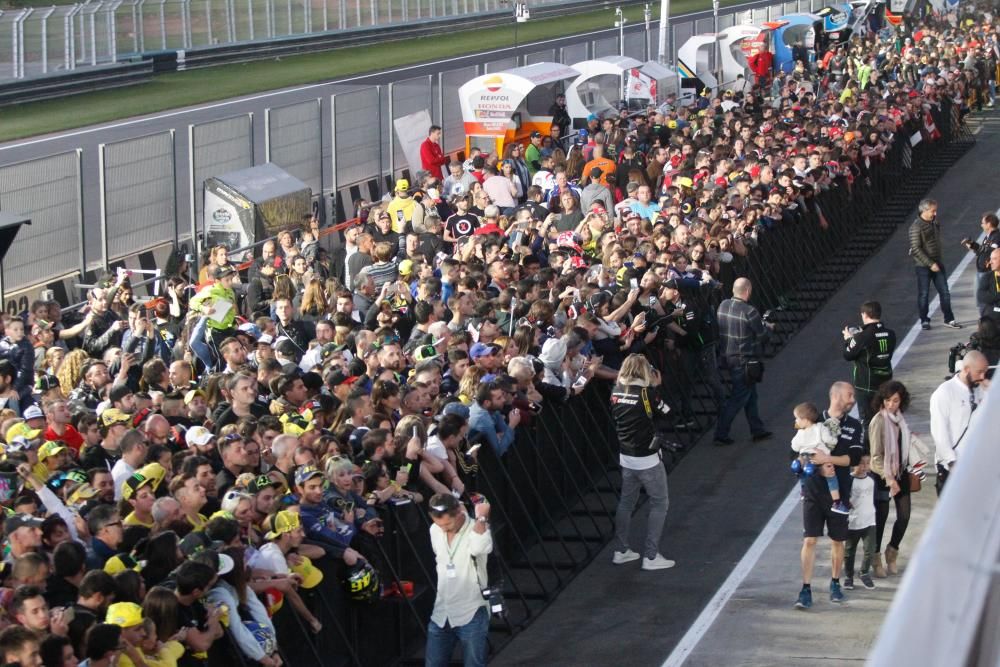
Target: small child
{"points": [[861, 525], [815, 437]]}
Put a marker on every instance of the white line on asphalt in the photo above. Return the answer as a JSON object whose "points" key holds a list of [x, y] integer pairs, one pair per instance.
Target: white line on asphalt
{"points": [[735, 579], [283, 91]]}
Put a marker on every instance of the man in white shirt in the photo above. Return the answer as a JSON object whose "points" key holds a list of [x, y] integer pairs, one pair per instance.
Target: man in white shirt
{"points": [[953, 405], [461, 546], [133, 449]]}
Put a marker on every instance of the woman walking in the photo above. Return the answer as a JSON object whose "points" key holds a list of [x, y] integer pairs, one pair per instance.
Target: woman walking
{"points": [[636, 407], [893, 453]]}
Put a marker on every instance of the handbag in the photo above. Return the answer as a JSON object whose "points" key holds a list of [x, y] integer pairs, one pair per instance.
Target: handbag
{"points": [[754, 370], [915, 482]]}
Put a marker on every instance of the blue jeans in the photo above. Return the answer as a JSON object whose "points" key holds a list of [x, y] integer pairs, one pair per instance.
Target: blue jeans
{"points": [[940, 278], [743, 397], [472, 635]]}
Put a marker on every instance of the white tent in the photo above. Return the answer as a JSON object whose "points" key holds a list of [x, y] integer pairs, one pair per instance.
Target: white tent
{"points": [[600, 86]]}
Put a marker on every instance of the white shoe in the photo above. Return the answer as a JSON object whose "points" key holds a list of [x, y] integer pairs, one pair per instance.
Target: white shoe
{"points": [[658, 563], [622, 557]]}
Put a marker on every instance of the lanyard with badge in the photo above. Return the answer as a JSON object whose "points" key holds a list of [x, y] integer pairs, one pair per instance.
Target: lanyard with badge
{"points": [[451, 572]]}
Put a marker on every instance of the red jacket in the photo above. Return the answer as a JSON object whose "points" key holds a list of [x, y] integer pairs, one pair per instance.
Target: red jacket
{"points": [[432, 158]]}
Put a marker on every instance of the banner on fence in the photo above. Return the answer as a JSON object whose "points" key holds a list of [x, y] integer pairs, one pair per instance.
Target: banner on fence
{"points": [[411, 131]]}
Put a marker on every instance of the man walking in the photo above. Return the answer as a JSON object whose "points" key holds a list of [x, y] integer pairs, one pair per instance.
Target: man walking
{"points": [[953, 405], [461, 546], [742, 333], [816, 499], [925, 249], [871, 350]]}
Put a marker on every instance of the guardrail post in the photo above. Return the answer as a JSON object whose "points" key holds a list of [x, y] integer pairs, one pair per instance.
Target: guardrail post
{"points": [[104, 205], [93, 38], [45, 40], [392, 144], [193, 205], [81, 233], [112, 35]]}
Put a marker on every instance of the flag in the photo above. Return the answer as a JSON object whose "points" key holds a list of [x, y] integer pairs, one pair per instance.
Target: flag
{"points": [[640, 86], [930, 127]]}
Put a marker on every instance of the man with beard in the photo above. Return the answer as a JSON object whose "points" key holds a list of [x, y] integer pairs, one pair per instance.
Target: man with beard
{"points": [[816, 499]]}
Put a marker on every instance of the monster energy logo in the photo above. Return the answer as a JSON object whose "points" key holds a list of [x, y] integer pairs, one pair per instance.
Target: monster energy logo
{"points": [[883, 345]]}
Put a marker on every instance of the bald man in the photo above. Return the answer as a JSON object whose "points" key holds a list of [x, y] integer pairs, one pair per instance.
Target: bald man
{"points": [[742, 333], [953, 405], [816, 500]]}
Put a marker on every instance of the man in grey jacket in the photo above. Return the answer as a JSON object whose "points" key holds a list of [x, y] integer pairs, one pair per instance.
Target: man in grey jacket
{"points": [[925, 249]]}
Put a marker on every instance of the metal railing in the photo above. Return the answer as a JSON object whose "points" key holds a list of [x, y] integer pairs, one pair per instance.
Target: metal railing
{"points": [[44, 40]]}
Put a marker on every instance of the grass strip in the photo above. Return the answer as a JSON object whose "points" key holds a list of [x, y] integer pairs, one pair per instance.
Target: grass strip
{"points": [[180, 89]]}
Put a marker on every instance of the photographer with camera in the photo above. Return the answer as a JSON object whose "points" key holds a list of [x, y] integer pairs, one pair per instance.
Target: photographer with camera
{"points": [[988, 289], [871, 349], [983, 250], [461, 612], [637, 408]]}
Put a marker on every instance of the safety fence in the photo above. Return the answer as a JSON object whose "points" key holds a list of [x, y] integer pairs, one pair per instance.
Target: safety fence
{"points": [[343, 145], [35, 41], [554, 492]]}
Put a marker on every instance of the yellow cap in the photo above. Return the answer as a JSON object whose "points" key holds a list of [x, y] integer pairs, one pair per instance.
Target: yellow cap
{"points": [[311, 576], [23, 430], [51, 448], [124, 614], [282, 522]]}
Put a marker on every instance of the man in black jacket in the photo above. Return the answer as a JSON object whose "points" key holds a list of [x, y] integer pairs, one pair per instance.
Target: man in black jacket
{"points": [[988, 289], [871, 350], [991, 242], [925, 249]]}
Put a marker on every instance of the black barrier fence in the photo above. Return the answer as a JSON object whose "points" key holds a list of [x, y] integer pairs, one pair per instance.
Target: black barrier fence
{"points": [[554, 492]]}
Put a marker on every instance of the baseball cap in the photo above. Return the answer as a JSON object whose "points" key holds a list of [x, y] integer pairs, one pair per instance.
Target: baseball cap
{"points": [[221, 272], [426, 353], [402, 185], [258, 483], [22, 430], [338, 377], [297, 424], [198, 435], [536, 134], [47, 383], [305, 473], [479, 350], [21, 521], [311, 576], [196, 541], [33, 412], [406, 267], [280, 523], [124, 614], [222, 563], [120, 563], [456, 408], [133, 483], [154, 472], [265, 339], [190, 395], [51, 448], [113, 416], [82, 493]]}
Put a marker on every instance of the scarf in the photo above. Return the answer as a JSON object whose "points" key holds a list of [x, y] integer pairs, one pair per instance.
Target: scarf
{"points": [[893, 426]]}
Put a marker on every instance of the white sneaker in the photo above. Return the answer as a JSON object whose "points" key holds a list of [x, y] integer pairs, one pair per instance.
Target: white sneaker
{"points": [[622, 557], [658, 563]]}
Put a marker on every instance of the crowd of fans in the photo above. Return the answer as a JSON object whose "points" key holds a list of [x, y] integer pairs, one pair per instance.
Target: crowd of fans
{"points": [[172, 467]]}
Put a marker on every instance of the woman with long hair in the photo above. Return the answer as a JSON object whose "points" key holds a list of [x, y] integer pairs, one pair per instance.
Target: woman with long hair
{"points": [[386, 399], [249, 624], [71, 371], [893, 454], [636, 407], [314, 303]]}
